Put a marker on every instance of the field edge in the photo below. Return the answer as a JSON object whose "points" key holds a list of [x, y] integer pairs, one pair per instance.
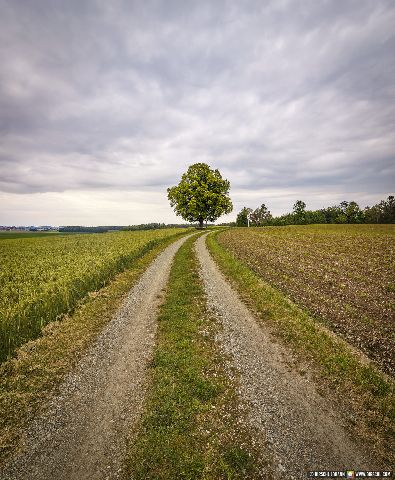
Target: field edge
{"points": [[32, 376], [334, 366], [192, 424]]}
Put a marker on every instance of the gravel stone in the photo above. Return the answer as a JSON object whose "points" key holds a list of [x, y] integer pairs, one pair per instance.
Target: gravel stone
{"points": [[83, 432], [302, 429]]}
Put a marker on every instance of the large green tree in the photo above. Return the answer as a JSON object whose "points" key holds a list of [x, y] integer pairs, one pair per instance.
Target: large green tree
{"points": [[202, 195]]}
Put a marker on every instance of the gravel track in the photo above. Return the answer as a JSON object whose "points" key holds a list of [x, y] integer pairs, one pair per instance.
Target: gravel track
{"points": [[83, 433], [302, 430]]}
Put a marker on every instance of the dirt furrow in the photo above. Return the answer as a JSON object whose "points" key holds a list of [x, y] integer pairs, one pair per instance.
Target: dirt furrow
{"points": [[83, 433], [303, 430]]}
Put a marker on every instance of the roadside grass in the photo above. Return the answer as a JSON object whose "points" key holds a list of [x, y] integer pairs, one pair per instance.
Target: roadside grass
{"points": [[367, 393], [192, 427], [31, 377]]}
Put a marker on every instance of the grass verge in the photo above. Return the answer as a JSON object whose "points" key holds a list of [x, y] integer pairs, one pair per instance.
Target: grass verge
{"points": [[28, 379], [192, 427], [366, 392]]}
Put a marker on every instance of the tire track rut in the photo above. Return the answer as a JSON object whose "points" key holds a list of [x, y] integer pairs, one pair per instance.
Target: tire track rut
{"points": [[301, 429], [83, 433]]}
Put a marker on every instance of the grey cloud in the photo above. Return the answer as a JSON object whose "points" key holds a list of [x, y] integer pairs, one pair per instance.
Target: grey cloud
{"points": [[125, 95]]}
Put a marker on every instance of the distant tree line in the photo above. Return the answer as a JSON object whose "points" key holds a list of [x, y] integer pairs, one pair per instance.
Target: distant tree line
{"points": [[82, 229], [103, 229], [155, 226], [345, 212]]}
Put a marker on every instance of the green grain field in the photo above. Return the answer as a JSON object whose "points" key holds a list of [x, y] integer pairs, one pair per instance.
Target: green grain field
{"points": [[44, 276]]}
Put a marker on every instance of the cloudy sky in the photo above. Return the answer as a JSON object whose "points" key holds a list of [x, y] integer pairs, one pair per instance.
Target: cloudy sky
{"points": [[104, 104]]}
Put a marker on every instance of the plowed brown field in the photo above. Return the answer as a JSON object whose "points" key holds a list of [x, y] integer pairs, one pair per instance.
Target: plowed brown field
{"points": [[343, 274]]}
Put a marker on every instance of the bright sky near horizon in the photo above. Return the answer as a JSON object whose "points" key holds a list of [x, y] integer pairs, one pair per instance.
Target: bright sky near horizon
{"points": [[103, 105]]}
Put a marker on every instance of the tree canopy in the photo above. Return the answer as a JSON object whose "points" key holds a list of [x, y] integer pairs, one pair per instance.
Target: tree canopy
{"points": [[260, 216], [345, 212], [202, 195], [243, 216]]}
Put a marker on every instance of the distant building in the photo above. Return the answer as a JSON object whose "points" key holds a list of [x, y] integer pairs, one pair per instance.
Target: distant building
{"points": [[30, 228]]}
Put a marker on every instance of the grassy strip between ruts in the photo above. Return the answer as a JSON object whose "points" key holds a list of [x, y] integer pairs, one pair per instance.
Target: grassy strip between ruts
{"points": [[366, 392], [27, 380], [193, 426]]}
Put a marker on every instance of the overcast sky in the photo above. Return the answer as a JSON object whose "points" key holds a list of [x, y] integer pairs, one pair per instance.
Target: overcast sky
{"points": [[104, 104]]}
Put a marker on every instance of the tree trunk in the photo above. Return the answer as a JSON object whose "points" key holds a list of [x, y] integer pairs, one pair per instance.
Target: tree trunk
{"points": [[200, 222]]}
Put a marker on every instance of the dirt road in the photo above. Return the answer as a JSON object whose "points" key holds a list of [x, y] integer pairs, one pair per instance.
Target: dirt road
{"points": [[302, 430], [83, 433]]}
